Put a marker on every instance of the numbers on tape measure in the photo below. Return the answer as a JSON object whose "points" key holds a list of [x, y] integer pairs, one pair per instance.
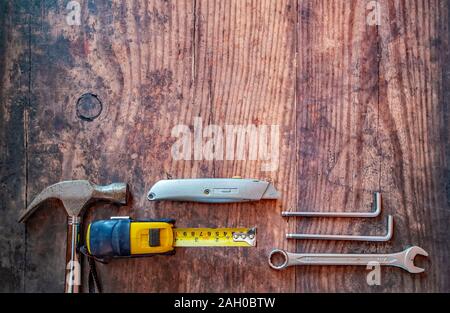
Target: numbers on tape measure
{"points": [[189, 237], [203, 234]]}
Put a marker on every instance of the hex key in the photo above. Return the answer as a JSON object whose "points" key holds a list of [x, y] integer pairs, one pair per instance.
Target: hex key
{"points": [[375, 213], [387, 237]]}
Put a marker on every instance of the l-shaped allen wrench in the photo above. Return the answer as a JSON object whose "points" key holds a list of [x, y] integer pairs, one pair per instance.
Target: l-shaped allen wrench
{"points": [[382, 238], [375, 213]]}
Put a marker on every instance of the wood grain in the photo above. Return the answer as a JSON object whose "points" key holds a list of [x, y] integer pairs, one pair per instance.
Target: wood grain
{"points": [[360, 108], [163, 77], [337, 129], [414, 69], [14, 99], [246, 73], [363, 126]]}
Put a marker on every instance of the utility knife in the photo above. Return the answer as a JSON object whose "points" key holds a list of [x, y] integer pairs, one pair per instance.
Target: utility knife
{"points": [[213, 190]]}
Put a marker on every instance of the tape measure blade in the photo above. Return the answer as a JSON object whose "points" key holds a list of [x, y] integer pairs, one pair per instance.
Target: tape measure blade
{"points": [[215, 237]]}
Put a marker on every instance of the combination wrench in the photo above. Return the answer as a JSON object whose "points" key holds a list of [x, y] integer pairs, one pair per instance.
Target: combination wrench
{"points": [[404, 259]]}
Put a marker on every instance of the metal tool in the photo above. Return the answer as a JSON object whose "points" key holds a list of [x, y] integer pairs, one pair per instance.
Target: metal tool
{"points": [[75, 196], [386, 237], [213, 190], [404, 259], [124, 237], [375, 213]]}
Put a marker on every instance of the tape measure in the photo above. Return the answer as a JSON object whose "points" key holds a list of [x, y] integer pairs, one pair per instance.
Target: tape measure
{"points": [[215, 237], [123, 237]]}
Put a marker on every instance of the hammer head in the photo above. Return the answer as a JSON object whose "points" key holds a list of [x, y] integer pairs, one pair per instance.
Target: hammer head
{"points": [[76, 194]]}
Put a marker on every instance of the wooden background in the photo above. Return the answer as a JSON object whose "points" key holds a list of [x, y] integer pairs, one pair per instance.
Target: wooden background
{"points": [[361, 108]]}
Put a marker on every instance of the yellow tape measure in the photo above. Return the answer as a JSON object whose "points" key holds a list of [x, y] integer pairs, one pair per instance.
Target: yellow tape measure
{"points": [[123, 237], [214, 237]]}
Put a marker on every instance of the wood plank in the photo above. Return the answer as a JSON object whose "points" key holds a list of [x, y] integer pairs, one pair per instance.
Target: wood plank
{"points": [[136, 58], [245, 70], [414, 133], [163, 44], [14, 99], [374, 97], [337, 128], [360, 108], [151, 65]]}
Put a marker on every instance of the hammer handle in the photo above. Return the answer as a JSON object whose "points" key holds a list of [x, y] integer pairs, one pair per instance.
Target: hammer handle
{"points": [[73, 266]]}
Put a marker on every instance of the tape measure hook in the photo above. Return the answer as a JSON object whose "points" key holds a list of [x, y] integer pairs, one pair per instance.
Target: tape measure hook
{"points": [[248, 237]]}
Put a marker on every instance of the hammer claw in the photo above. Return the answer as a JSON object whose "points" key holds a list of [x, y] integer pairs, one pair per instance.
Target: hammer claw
{"points": [[75, 195]]}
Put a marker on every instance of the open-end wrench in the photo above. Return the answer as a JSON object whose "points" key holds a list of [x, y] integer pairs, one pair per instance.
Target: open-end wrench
{"points": [[404, 259]]}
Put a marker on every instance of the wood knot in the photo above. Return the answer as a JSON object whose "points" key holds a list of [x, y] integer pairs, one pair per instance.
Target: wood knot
{"points": [[89, 107]]}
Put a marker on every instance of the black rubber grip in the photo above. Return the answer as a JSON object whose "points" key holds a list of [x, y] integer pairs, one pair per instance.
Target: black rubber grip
{"points": [[110, 238]]}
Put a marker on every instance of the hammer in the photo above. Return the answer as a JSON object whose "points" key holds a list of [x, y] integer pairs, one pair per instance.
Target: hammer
{"points": [[76, 195]]}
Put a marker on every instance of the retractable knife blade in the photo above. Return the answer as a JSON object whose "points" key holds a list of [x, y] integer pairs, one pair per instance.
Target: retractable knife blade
{"points": [[213, 190]]}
